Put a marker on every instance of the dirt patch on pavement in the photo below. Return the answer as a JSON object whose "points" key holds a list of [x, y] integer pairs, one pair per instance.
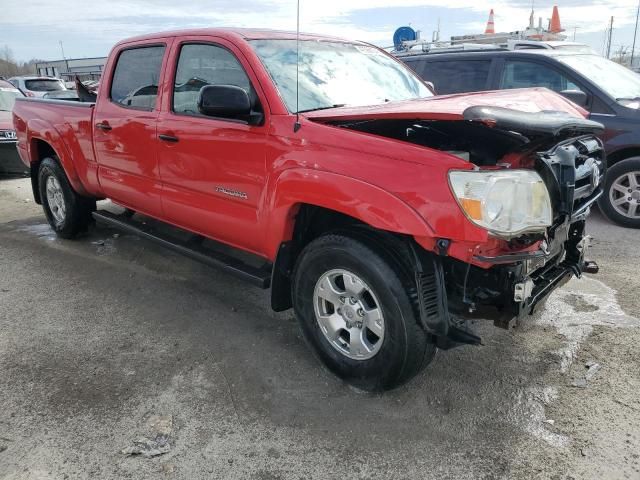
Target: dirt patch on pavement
{"points": [[114, 331], [16, 200]]}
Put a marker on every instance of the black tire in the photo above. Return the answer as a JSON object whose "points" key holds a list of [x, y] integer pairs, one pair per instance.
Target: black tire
{"points": [[77, 216], [621, 168], [405, 349]]}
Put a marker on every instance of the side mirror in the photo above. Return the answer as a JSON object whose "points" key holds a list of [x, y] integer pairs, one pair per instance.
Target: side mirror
{"points": [[576, 96], [224, 101], [431, 86]]}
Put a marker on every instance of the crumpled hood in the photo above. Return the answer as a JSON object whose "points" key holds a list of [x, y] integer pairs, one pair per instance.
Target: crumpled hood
{"points": [[6, 120], [452, 107]]}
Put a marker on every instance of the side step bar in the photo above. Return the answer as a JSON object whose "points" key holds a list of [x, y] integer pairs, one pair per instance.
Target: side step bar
{"points": [[260, 277]]}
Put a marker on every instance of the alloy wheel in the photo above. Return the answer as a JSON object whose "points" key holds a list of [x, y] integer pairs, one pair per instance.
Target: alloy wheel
{"points": [[624, 195], [55, 200], [349, 314]]}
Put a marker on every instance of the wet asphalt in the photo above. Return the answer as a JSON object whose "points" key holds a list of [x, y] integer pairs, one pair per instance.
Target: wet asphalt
{"points": [[100, 334]]}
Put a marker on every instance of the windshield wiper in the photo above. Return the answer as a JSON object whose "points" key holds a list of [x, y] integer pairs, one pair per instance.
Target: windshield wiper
{"points": [[628, 99], [337, 105]]}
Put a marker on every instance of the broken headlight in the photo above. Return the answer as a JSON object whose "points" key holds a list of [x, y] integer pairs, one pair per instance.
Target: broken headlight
{"points": [[506, 202]]}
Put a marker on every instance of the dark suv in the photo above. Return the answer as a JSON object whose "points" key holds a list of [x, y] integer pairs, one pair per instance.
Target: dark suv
{"points": [[610, 92]]}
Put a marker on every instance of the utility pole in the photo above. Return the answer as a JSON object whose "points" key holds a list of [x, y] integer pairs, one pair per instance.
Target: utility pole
{"points": [[635, 33], [63, 56], [609, 40], [575, 29]]}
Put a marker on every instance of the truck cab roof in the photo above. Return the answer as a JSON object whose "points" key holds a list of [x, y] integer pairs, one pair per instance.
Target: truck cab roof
{"points": [[238, 33]]}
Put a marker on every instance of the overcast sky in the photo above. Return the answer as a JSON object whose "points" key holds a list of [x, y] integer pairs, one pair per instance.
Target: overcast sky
{"points": [[33, 28]]}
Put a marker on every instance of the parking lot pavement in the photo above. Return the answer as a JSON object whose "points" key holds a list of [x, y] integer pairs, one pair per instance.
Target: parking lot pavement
{"points": [[102, 335]]}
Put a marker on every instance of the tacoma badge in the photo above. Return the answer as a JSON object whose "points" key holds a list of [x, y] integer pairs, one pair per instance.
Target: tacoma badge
{"points": [[232, 193]]}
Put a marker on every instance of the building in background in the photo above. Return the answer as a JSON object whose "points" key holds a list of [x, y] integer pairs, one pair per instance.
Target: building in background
{"points": [[67, 69]]}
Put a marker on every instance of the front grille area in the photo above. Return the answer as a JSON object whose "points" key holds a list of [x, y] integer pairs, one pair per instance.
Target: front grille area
{"points": [[8, 136], [574, 171]]}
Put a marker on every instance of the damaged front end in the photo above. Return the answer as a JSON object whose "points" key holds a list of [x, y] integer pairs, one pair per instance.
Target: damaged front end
{"points": [[509, 282], [516, 284], [517, 281]]}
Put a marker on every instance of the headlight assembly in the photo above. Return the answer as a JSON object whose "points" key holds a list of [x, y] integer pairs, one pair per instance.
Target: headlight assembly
{"points": [[508, 203]]}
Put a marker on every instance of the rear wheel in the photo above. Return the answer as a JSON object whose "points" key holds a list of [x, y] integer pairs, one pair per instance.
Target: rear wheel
{"points": [[620, 201], [67, 212], [355, 311]]}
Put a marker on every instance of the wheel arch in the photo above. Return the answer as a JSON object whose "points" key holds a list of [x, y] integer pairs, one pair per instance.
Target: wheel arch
{"points": [[369, 204], [38, 151], [49, 143], [307, 204], [623, 154]]}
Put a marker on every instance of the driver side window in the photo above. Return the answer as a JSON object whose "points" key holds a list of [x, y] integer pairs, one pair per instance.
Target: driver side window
{"points": [[530, 74], [204, 64]]}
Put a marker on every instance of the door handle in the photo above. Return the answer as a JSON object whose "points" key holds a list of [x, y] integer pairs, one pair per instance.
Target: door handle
{"points": [[168, 138], [103, 126]]}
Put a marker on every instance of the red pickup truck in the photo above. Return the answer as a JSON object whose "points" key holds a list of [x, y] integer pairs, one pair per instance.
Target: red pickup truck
{"points": [[328, 171]]}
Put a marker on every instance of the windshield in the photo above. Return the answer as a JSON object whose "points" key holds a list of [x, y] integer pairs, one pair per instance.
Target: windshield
{"points": [[8, 98], [616, 80], [44, 85], [337, 74]]}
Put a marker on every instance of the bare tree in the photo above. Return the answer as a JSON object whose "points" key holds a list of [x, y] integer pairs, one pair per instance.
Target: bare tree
{"points": [[7, 54], [9, 67]]}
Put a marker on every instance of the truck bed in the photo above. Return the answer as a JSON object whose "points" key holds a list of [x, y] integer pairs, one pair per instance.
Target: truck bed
{"points": [[64, 126]]}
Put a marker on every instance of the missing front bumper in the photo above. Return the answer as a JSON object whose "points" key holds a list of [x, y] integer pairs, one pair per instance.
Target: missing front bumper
{"points": [[511, 290]]}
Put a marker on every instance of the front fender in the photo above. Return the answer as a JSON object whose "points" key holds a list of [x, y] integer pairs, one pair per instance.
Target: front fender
{"points": [[363, 201], [38, 129]]}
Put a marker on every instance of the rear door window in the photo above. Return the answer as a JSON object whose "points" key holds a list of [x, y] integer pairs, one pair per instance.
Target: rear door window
{"points": [[136, 77], [523, 74], [457, 75]]}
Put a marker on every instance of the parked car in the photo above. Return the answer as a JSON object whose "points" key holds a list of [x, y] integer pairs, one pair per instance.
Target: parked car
{"points": [[383, 215], [609, 91], [10, 162], [92, 85], [37, 86]]}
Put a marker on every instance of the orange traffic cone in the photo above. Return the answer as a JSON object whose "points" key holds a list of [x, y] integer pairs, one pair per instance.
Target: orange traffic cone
{"points": [[554, 26], [490, 25]]}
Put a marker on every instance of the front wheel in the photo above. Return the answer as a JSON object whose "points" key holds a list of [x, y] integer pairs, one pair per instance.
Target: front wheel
{"points": [[620, 201], [67, 212], [355, 311]]}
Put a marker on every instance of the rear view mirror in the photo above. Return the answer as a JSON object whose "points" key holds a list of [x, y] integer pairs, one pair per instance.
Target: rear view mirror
{"points": [[224, 101], [431, 86], [576, 96]]}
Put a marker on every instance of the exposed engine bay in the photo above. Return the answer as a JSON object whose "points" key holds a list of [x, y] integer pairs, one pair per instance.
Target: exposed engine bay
{"points": [[488, 136], [473, 142]]}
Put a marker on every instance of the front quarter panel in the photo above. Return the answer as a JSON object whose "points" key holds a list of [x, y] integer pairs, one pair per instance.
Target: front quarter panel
{"points": [[363, 201], [388, 184], [622, 132]]}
